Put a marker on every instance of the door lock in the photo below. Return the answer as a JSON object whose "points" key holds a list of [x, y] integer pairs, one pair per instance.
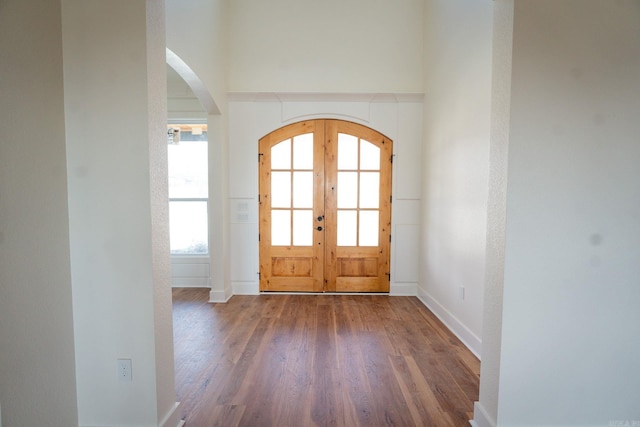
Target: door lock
{"points": [[321, 217], [319, 228]]}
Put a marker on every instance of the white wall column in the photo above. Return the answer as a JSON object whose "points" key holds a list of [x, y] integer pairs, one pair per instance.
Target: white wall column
{"points": [[37, 369], [570, 348], [115, 103], [219, 209], [486, 409]]}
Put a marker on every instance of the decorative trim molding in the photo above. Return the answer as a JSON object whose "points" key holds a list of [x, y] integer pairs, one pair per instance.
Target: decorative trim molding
{"points": [[403, 289], [190, 282], [190, 271], [359, 112], [323, 97], [480, 417], [251, 288], [218, 296], [245, 288], [172, 419], [468, 338]]}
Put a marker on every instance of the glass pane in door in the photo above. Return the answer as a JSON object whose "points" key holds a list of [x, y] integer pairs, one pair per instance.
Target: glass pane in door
{"points": [[302, 228], [302, 189], [280, 189], [347, 190], [281, 227], [347, 228], [281, 155], [369, 156], [369, 190], [303, 151], [347, 152], [368, 231]]}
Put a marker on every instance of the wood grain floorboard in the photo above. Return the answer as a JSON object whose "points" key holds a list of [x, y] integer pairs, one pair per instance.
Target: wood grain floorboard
{"points": [[318, 360]]}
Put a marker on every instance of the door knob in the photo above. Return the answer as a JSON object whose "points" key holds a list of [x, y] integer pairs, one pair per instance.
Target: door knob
{"points": [[321, 217], [319, 228]]}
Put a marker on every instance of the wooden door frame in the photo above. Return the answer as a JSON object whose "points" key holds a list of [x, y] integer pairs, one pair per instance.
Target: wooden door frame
{"points": [[314, 253], [334, 252]]}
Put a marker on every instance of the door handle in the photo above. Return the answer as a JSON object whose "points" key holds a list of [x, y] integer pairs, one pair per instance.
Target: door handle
{"points": [[319, 228]]}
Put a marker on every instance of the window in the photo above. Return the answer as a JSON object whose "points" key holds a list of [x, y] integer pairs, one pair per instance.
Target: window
{"points": [[188, 189], [358, 191], [292, 191]]}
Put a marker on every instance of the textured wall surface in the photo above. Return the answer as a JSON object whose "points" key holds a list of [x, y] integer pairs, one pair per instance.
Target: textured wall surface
{"points": [[487, 408]]}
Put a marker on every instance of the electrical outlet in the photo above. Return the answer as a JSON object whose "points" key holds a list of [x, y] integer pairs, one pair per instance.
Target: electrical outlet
{"points": [[124, 370]]}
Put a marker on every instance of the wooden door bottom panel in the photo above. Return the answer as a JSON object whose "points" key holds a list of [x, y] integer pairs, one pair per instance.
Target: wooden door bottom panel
{"points": [[290, 251], [291, 267], [357, 251], [361, 284], [292, 284], [357, 267]]}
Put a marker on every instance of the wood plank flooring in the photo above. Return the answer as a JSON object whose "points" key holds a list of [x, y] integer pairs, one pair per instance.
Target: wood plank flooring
{"points": [[319, 360]]}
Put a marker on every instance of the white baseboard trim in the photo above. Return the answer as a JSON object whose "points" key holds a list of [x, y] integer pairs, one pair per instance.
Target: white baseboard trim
{"points": [[251, 288], [245, 288], [468, 338], [190, 282], [403, 289], [172, 419], [480, 417], [218, 296]]}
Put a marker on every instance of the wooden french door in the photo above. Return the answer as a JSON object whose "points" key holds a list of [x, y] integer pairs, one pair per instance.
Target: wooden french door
{"points": [[325, 208]]}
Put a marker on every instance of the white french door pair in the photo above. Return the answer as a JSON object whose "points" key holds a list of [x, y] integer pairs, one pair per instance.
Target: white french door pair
{"points": [[325, 208]]}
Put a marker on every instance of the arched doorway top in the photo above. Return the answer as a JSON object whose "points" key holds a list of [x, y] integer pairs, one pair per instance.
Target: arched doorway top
{"points": [[337, 118], [194, 82]]}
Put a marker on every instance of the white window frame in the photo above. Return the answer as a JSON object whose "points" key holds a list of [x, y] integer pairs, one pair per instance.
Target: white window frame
{"points": [[185, 123]]}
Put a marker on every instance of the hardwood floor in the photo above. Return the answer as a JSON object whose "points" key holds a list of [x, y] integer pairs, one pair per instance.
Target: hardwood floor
{"points": [[319, 360]]}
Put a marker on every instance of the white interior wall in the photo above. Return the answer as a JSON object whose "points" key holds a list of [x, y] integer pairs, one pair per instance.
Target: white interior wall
{"points": [[329, 46], [197, 32], [570, 347], [457, 51], [37, 367], [182, 104], [115, 103]]}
